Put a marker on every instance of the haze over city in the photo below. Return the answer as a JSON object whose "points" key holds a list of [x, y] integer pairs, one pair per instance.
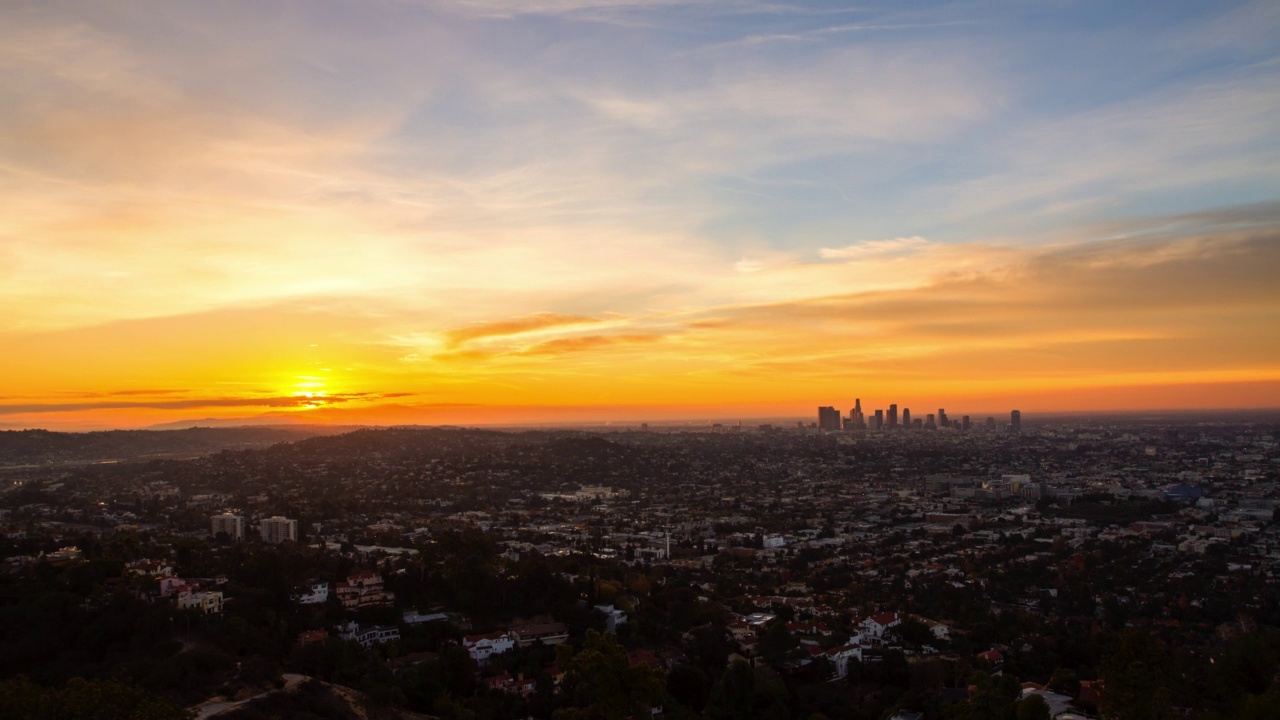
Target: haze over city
{"points": [[591, 210]]}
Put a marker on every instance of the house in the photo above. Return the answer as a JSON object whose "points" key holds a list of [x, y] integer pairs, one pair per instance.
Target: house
{"points": [[741, 630], [370, 636], [413, 617], [482, 647], [613, 617], [993, 658], [171, 586], [877, 624], [839, 658], [207, 602], [312, 637], [149, 568], [364, 589], [518, 685], [547, 633], [1058, 703], [317, 593]]}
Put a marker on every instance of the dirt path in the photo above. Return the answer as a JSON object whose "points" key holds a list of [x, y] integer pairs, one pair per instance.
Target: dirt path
{"points": [[210, 708]]}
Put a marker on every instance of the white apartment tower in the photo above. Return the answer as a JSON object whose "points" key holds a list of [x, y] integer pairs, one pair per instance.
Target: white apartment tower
{"points": [[278, 529], [232, 525]]}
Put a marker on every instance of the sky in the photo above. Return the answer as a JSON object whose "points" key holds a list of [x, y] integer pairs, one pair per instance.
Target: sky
{"points": [[479, 211]]}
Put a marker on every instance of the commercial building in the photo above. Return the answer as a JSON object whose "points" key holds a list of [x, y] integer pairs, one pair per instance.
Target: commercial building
{"points": [[828, 419]]}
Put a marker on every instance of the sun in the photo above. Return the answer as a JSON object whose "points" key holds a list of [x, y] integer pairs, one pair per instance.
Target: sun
{"points": [[311, 391]]}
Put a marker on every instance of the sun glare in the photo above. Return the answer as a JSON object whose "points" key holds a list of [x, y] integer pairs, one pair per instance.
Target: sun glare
{"points": [[312, 392]]}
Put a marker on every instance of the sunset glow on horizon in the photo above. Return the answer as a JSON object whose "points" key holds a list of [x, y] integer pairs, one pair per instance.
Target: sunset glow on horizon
{"points": [[482, 212]]}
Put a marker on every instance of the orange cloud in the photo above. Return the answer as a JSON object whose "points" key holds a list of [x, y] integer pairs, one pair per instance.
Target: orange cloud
{"points": [[516, 326], [584, 343]]}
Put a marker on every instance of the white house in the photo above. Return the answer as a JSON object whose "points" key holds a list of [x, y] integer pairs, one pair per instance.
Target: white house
{"points": [[840, 657], [314, 594], [370, 636], [482, 647], [613, 617], [877, 624]]}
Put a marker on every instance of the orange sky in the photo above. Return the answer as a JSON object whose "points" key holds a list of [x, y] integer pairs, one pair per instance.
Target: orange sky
{"points": [[464, 214]]}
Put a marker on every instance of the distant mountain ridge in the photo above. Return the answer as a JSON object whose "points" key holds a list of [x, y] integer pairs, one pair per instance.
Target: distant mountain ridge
{"points": [[41, 447]]}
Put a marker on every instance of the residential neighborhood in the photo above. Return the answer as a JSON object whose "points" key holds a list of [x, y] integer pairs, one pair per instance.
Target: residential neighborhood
{"points": [[854, 573]]}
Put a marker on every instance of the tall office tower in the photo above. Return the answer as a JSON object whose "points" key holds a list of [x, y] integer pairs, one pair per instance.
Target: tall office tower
{"points": [[893, 416], [906, 418], [1015, 421], [879, 420], [928, 423], [828, 418], [856, 414], [964, 423], [278, 529], [232, 525], [991, 424], [942, 418]]}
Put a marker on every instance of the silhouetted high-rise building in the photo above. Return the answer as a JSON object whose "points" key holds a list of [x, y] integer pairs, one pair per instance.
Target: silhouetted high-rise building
{"points": [[1015, 421], [828, 418], [942, 418], [892, 419], [906, 418], [879, 420], [964, 423], [928, 423], [991, 424]]}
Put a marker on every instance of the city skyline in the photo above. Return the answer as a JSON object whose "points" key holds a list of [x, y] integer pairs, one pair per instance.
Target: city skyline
{"points": [[568, 211], [830, 419]]}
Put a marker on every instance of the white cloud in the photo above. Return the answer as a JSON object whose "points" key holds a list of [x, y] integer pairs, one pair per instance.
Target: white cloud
{"points": [[875, 248]]}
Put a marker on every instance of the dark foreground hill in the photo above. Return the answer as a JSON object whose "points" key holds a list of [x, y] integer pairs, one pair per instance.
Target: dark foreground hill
{"points": [[316, 699]]}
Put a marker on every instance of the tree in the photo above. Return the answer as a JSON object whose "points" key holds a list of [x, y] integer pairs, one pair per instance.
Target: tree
{"points": [[777, 641], [82, 699], [746, 693], [688, 684], [601, 683], [1065, 681], [914, 633], [1136, 676], [1033, 707]]}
